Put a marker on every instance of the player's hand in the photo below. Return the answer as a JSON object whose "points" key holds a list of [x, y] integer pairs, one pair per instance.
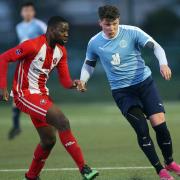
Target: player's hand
{"points": [[76, 82], [82, 86], [165, 72], [4, 95]]}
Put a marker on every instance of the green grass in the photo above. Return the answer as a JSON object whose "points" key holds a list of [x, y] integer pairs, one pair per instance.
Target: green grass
{"points": [[104, 135]]}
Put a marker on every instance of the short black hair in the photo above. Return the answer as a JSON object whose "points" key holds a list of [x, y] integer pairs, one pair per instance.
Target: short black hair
{"points": [[108, 12], [26, 4], [54, 20]]}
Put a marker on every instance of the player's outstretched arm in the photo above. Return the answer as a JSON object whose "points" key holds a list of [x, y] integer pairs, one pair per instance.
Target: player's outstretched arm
{"points": [[86, 72], [161, 56]]}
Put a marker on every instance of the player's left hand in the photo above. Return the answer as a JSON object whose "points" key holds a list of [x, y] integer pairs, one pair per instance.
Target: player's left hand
{"points": [[165, 72]]}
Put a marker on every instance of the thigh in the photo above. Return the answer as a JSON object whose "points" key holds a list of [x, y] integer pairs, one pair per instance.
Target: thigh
{"points": [[35, 105], [150, 98], [126, 98], [56, 118]]}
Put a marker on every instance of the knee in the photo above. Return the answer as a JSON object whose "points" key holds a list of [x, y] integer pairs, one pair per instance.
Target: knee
{"points": [[48, 143], [62, 122], [157, 119], [137, 119]]}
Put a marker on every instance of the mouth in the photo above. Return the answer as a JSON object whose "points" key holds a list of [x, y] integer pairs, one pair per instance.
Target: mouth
{"points": [[65, 40], [111, 34]]}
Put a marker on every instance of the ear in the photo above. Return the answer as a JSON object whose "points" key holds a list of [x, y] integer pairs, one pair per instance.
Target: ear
{"points": [[100, 22]]}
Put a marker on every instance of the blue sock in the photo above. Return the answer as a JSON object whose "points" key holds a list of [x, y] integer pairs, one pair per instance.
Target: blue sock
{"points": [[16, 115]]}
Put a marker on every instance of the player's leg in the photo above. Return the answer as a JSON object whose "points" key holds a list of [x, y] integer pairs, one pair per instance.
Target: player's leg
{"points": [[164, 141], [47, 136], [36, 106], [15, 130], [56, 118], [42, 108], [128, 102], [154, 110], [136, 118]]}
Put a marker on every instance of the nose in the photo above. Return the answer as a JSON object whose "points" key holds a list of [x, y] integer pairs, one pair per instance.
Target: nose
{"points": [[111, 28], [66, 34]]}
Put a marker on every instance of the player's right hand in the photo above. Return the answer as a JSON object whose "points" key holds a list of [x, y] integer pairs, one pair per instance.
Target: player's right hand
{"points": [[4, 95], [82, 86]]}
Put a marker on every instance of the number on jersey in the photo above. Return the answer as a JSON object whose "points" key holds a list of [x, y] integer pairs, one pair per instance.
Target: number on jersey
{"points": [[115, 59]]}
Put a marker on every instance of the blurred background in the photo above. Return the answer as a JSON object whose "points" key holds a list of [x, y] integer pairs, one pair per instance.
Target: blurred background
{"points": [[159, 18]]}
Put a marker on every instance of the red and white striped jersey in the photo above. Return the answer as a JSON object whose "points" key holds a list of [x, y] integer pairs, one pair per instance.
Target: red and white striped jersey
{"points": [[36, 60]]}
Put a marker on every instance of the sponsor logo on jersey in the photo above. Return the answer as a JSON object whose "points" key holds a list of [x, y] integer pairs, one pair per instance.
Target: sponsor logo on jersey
{"points": [[19, 51], [55, 60], [123, 43]]}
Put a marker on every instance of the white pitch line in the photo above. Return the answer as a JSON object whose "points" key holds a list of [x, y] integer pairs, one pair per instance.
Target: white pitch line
{"points": [[75, 169]]}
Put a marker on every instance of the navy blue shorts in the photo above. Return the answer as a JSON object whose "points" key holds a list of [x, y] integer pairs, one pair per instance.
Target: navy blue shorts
{"points": [[144, 94]]}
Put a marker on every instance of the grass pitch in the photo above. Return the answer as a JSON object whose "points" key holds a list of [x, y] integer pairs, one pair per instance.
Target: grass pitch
{"points": [[106, 138]]}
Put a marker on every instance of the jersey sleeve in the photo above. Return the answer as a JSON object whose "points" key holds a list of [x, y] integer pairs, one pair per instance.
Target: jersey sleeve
{"points": [[90, 52], [17, 53], [141, 37], [43, 26], [63, 71]]}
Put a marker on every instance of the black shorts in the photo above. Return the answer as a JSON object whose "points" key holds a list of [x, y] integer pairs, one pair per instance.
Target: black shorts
{"points": [[144, 94]]}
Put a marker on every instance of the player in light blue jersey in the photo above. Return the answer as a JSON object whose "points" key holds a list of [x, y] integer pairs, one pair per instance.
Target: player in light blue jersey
{"points": [[29, 28], [118, 48]]}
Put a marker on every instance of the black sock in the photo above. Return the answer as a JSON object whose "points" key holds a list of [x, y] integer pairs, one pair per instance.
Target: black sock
{"points": [[138, 121], [16, 114], [164, 142], [147, 146]]}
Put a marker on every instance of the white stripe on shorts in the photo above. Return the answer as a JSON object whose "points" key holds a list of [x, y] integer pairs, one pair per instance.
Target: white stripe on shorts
{"points": [[33, 105], [37, 111]]}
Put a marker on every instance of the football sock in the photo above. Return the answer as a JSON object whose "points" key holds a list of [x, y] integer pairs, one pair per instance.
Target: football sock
{"points": [[16, 114], [38, 162], [164, 142], [70, 144], [138, 121]]}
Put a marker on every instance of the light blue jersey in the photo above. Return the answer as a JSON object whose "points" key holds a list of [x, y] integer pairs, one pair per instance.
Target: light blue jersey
{"points": [[121, 56], [29, 30]]}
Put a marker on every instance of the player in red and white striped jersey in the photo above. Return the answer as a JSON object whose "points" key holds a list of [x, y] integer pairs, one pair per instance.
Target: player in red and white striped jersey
{"points": [[37, 58]]}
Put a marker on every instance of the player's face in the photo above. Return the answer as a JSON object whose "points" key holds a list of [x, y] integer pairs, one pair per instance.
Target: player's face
{"points": [[28, 13], [60, 33], [110, 28]]}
